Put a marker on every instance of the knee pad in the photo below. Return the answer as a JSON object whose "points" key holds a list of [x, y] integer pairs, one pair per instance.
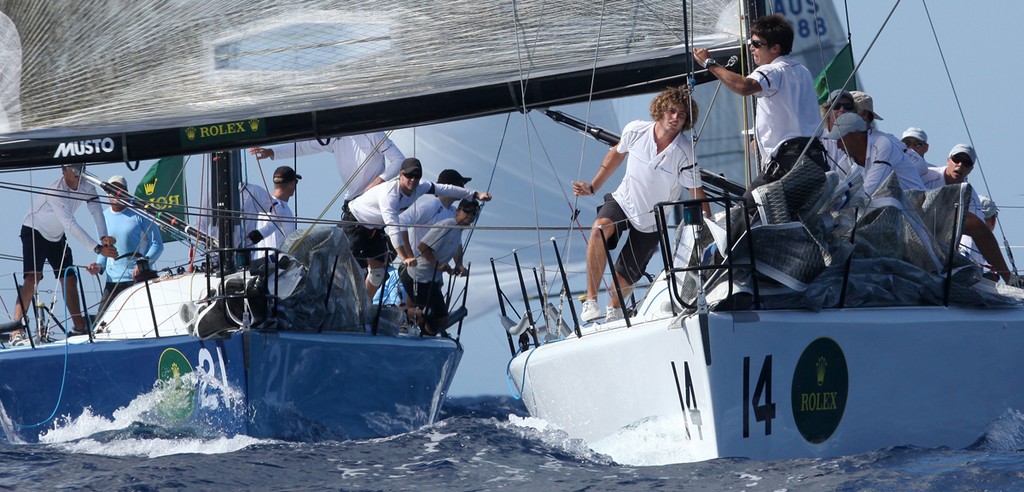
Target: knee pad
{"points": [[376, 276]]}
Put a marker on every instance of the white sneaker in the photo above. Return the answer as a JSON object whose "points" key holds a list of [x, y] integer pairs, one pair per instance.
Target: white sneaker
{"points": [[18, 339], [613, 314], [590, 311]]}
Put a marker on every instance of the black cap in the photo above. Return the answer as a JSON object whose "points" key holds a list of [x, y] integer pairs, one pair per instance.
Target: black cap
{"points": [[452, 177], [412, 164], [285, 174], [469, 205]]}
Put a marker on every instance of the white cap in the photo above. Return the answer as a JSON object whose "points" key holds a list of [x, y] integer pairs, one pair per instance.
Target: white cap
{"points": [[845, 124], [118, 179], [964, 149], [915, 133]]}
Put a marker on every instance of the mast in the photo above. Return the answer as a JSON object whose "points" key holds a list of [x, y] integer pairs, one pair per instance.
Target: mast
{"points": [[227, 172]]}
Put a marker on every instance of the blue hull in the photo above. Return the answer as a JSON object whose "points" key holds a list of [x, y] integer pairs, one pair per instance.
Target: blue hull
{"points": [[294, 386]]}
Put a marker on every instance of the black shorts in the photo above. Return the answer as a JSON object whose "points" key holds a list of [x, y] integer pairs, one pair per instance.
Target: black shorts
{"points": [[639, 247], [36, 249], [426, 295], [365, 242]]}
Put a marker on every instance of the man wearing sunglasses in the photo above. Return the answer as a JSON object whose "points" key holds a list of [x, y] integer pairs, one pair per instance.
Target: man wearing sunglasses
{"points": [[959, 164], [787, 105], [373, 218]]}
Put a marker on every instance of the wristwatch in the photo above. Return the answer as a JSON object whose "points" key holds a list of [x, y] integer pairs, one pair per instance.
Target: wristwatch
{"points": [[97, 249], [709, 63]]}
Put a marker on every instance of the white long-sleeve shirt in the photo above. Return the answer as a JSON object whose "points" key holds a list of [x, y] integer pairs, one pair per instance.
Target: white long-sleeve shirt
{"points": [[53, 212], [349, 153], [383, 203]]}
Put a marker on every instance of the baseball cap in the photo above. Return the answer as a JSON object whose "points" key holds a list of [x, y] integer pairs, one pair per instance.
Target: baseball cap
{"points": [[118, 181], [285, 174], [469, 205], [845, 124], [411, 165], [863, 102], [915, 133], [452, 177], [838, 94], [964, 149]]}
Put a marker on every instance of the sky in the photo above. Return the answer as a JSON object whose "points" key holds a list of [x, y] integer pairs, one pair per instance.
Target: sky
{"points": [[529, 166]]}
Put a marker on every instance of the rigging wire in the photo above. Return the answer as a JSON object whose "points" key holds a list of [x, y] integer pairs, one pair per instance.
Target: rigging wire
{"points": [[967, 128]]}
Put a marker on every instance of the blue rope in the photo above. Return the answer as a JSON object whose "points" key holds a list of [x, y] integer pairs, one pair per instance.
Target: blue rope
{"points": [[64, 373]]}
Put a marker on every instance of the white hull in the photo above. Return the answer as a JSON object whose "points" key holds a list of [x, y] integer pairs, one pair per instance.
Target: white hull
{"points": [[922, 376]]}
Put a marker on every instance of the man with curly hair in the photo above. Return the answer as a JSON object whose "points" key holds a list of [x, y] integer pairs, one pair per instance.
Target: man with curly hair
{"points": [[660, 164]]}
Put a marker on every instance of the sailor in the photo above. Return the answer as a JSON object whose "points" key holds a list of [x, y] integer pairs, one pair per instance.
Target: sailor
{"points": [[959, 164], [279, 221], [878, 153], [787, 104], [916, 140], [424, 280], [373, 218], [864, 105], [360, 158], [431, 209], [43, 239], [659, 164], [136, 236], [839, 102]]}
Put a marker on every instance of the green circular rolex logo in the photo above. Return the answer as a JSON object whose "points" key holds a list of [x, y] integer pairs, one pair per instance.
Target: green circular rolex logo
{"points": [[177, 393], [821, 386]]}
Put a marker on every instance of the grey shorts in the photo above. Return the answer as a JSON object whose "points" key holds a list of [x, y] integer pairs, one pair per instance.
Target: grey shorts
{"points": [[639, 247]]}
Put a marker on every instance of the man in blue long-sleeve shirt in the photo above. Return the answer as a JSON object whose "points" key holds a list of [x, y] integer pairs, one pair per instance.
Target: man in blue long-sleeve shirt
{"points": [[135, 237]]}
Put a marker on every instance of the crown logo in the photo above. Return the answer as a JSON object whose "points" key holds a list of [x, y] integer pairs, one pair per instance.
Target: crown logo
{"points": [[150, 187], [254, 124], [175, 370], [190, 132], [821, 365]]}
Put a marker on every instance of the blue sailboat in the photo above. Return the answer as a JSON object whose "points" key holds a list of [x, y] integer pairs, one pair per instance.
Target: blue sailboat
{"points": [[228, 346]]}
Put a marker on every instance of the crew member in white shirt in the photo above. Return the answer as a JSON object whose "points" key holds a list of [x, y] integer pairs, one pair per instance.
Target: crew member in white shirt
{"points": [[423, 282], [878, 153], [431, 209], [959, 164], [787, 113], [659, 164], [364, 161], [43, 239], [373, 218], [277, 223]]}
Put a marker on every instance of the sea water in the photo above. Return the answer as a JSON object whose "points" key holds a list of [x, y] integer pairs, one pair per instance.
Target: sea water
{"points": [[482, 443]]}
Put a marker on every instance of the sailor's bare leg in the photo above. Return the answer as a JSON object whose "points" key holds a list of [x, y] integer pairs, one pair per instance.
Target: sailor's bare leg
{"points": [[597, 259], [70, 286]]}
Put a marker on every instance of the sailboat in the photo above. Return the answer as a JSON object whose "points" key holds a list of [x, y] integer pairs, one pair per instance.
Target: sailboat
{"points": [[807, 357], [109, 81]]}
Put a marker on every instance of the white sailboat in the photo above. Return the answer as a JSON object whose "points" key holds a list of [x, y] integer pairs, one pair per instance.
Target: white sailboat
{"points": [[816, 365]]}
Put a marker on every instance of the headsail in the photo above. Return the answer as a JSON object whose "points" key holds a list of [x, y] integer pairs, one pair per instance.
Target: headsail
{"points": [[108, 80]]}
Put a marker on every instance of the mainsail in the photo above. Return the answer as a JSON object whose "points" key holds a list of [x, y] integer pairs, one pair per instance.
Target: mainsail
{"points": [[109, 80]]}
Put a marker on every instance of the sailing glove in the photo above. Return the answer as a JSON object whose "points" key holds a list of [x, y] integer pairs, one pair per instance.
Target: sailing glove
{"points": [[255, 236]]}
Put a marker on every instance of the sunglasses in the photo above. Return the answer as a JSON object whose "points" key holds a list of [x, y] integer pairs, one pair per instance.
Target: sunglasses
{"points": [[756, 44], [413, 175], [844, 106], [962, 159], [914, 143]]}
